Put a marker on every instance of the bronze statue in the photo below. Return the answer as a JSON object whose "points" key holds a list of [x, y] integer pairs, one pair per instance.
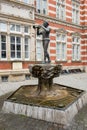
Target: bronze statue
{"points": [[45, 38]]}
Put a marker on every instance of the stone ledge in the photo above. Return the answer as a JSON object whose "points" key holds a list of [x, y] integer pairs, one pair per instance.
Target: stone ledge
{"points": [[13, 72], [63, 116]]}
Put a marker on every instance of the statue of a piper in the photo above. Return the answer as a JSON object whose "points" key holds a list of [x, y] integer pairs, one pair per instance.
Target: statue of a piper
{"points": [[44, 30], [44, 72]]}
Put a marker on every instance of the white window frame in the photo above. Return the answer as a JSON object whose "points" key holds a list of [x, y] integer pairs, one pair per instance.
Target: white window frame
{"points": [[3, 27], [75, 9], [15, 28], [39, 48], [28, 30], [28, 48], [3, 50], [60, 52], [15, 45], [60, 9], [76, 56], [28, 1], [40, 8]]}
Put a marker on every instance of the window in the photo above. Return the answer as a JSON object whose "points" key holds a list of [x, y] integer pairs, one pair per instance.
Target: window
{"points": [[41, 6], [76, 48], [3, 46], [3, 27], [15, 28], [75, 13], [39, 49], [4, 78], [15, 46], [26, 47], [26, 1], [27, 76], [61, 47], [60, 9], [26, 29]]}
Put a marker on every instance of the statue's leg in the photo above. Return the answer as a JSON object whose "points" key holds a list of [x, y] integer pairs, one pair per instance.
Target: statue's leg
{"points": [[46, 55], [44, 51]]}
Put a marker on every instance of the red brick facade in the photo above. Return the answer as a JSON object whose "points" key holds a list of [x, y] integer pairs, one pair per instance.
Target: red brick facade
{"points": [[68, 26]]}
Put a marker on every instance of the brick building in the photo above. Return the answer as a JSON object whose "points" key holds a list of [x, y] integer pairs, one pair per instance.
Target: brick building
{"points": [[19, 45], [68, 22]]}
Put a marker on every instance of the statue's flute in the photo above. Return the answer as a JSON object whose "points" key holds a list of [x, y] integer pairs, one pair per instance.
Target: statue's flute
{"points": [[40, 27], [36, 26]]}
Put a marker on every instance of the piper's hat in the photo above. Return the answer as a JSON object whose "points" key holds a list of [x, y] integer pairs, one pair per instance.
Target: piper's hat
{"points": [[45, 23]]}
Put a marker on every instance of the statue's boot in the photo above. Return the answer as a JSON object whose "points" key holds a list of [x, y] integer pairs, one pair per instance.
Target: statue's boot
{"points": [[48, 58]]}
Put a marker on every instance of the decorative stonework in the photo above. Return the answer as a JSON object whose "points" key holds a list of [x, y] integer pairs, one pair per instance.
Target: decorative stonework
{"points": [[56, 21], [76, 34], [17, 10], [78, 1], [31, 14], [61, 30]]}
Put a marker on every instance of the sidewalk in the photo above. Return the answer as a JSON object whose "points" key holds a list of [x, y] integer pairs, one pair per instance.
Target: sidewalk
{"points": [[20, 122]]}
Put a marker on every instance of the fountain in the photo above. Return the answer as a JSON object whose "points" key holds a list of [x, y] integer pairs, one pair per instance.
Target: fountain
{"points": [[46, 100]]}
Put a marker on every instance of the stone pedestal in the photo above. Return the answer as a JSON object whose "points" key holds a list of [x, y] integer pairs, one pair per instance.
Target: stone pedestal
{"points": [[45, 74]]}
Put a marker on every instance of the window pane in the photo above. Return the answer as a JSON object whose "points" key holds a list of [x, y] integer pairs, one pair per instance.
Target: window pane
{"points": [[63, 37], [63, 50], [3, 54], [3, 26], [18, 40], [3, 46], [3, 38], [18, 47], [26, 1], [38, 5], [12, 54], [73, 55], [12, 39], [18, 28], [26, 47], [12, 46], [26, 28], [58, 37], [38, 50], [44, 6], [18, 54], [12, 27], [15, 46], [26, 54], [58, 50], [26, 40]]}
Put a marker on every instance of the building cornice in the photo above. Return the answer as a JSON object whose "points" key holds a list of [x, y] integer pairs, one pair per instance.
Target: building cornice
{"points": [[77, 1], [12, 17], [76, 34], [19, 3], [55, 20], [84, 27], [61, 30]]}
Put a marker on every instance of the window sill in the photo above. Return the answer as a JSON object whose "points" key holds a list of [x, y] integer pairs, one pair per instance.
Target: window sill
{"points": [[59, 61], [76, 60]]}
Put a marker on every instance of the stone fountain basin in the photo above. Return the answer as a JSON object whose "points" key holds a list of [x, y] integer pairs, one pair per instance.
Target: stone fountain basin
{"points": [[59, 105]]}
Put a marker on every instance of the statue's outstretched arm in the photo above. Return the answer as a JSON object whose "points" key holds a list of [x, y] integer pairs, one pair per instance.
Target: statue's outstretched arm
{"points": [[38, 33], [46, 29]]}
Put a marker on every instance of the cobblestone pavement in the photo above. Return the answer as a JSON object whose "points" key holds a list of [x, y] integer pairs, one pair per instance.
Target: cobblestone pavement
{"points": [[20, 122]]}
